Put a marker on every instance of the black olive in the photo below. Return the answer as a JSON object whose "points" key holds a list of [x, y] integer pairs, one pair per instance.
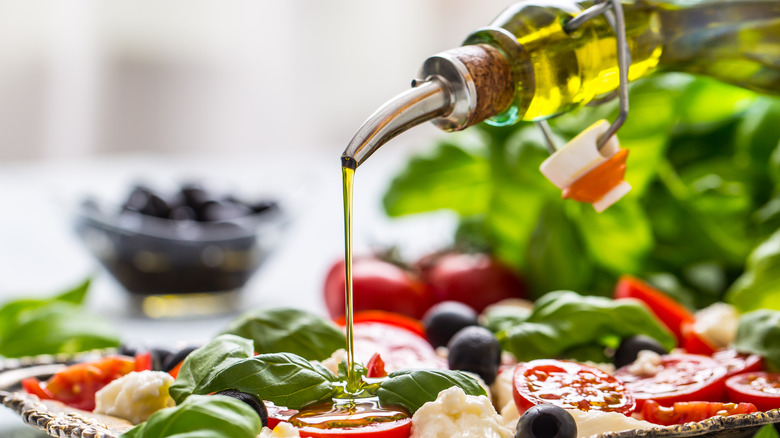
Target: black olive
{"points": [[183, 213], [546, 421], [445, 319], [171, 360], [475, 349], [214, 211], [251, 400], [630, 347], [138, 198]]}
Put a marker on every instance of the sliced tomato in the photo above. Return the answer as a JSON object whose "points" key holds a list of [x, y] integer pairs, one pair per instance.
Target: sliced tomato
{"points": [[278, 414], [694, 342], [376, 367], [392, 318], [569, 385], [670, 312], [760, 388], [33, 386], [738, 363], [352, 420], [77, 384], [174, 372], [680, 377], [400, 348], [685, 412]]}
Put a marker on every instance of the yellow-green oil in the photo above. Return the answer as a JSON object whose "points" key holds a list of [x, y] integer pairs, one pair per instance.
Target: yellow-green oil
{"points": [[556, 71]]}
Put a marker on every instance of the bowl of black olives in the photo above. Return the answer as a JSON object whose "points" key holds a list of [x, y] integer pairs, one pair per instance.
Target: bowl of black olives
{"points": [[191, 239]]}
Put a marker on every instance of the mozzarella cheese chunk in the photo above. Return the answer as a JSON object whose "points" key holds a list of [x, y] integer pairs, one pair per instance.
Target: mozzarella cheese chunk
{"points": [[595, 422], [717, 324], [282, 430], [455, 414], [502, 388], [135, 396], [646, 364]]}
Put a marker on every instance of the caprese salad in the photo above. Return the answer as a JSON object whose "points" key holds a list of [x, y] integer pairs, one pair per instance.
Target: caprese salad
{"points": [[566, 365]]}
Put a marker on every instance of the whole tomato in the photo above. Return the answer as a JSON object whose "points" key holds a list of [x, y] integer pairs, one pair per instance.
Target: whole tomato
{"points": [[475, 279], [377, 285]]}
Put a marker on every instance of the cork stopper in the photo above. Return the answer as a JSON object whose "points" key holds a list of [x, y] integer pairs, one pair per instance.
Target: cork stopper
{"points": [[492, 78]]}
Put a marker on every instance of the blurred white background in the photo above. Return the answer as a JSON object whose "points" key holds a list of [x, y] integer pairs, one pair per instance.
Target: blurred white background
{"points": [[80, 78]]}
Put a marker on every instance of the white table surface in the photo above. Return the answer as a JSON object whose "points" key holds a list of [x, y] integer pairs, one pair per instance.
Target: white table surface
{"points": [[39, 253]]}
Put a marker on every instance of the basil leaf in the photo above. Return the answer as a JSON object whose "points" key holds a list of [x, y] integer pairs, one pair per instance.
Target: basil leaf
{"points": [[759, 333], [204, 363], [458, 177], [767, 431], [759, 286], [291, 330], [13, 311], [567, 322], [201, 416], [282, 378], [621, 229], [53, 328], [554, 254], [410, 389]]}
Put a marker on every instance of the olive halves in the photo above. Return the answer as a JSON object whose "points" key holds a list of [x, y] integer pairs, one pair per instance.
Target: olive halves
{"points": [[475, 349], [630, 347], [546, 421], [251, 400]]}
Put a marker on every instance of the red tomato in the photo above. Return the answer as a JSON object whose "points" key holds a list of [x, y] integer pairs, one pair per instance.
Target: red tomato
{"points": [[375, 367], [667, 310], [77, 384], [681, 377], [685, 412], [569, 385], [143, 361], [396, 319], [277, 414], [377, 285], [400, 349], [738, 363], [760, 388], [352, 420], [694, 343], [395, 429], [476, 280]]}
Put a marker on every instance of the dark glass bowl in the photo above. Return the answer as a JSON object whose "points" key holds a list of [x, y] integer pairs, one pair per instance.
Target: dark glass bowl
{"points": [[153, 256]]}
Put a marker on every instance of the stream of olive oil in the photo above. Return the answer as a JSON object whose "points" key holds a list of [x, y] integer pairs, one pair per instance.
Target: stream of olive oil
{"points": [[348, 167]]}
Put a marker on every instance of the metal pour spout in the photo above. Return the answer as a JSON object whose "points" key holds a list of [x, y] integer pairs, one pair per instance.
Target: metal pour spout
{"points": [[458, 88], [427, 100]]}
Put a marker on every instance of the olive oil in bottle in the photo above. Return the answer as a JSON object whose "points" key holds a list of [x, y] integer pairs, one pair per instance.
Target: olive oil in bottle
{"points": [[528, 66]]}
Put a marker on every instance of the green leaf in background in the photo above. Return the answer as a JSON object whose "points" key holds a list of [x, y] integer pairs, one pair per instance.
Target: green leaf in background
{"points": [[410, 389], [555, 256], [567, 322], [12, 311], [201, 416], [205, 362], [282, 378], [759, 286], [57, 327], [292, 330], [451, 178], [518, 193], [759, 333], [621, 229], [704, 166]]}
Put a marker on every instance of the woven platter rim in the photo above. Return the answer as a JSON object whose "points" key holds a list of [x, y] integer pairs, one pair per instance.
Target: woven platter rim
{"points": [[77, 425]]}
